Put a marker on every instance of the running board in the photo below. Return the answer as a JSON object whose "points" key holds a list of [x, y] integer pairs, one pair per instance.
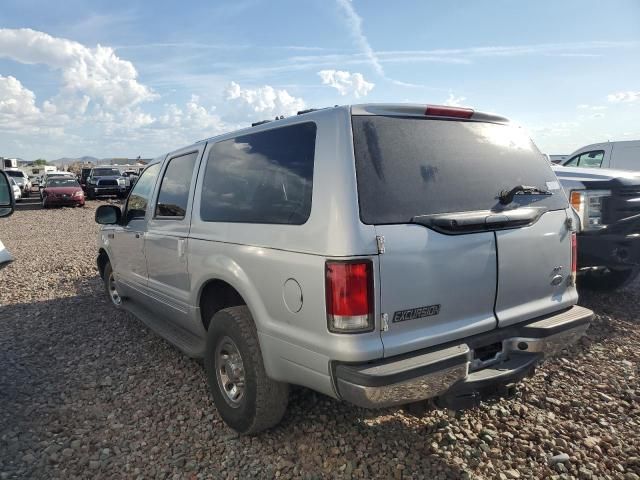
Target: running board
{"points": [[190, 344]]}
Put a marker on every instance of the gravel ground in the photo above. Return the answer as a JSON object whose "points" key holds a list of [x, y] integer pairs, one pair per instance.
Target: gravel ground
{"points": [[89, 392]]}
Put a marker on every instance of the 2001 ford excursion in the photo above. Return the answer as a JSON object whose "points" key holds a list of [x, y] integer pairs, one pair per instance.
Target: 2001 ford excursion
{"points": [[379, 254]]}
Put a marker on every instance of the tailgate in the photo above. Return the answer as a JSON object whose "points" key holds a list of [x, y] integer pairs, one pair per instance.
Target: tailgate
{"points": [[435, 288], [534, 269]]}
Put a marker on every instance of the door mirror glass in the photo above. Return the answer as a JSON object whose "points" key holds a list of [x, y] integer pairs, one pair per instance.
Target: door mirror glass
{"points": [[7, 200], [108, 215]]}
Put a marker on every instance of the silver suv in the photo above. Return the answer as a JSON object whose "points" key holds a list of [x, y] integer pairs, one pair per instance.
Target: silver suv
{"points": [[379, 254]]}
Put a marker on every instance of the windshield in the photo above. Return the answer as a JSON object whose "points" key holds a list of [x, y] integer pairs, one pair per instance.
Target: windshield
{"points": [[106, 172], [14, 173], [62, 182], [415, 166]]}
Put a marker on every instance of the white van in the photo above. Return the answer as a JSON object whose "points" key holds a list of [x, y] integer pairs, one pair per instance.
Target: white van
{"points": [[621, 155]]}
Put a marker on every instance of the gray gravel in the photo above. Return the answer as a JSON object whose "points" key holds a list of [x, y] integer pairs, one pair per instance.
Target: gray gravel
{"points": [[89, 392]]}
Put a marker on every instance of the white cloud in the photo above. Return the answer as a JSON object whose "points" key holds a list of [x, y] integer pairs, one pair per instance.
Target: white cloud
{"points": [[20, 114], [354, 22], [193, 117], [16, 101], [453, 101], [346, 82], [262, 102], [624, 97], [94, 72], [595, 108]]}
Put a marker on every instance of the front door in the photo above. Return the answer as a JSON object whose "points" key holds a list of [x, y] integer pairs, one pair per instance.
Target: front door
{"points": [[127, 240], [166, 238]]}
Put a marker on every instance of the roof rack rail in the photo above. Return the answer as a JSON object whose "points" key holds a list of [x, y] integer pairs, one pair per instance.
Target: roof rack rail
{"points": [[308, 110], [261, 122]]}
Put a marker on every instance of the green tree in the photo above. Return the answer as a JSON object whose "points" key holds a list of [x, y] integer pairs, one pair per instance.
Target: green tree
{"points": [[40, 161]]}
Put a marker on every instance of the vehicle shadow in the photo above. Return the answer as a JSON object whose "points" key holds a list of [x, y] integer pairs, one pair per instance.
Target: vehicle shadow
{"points": [[29, 203]]}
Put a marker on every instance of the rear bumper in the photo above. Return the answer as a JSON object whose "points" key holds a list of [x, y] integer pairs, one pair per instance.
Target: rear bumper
{"points": [[451, 373]]}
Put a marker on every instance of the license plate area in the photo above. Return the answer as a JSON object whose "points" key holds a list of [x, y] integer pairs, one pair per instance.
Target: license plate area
{"points": [[486, 355]]}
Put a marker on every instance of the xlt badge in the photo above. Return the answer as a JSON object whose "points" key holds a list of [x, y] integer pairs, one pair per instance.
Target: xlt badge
{"points": [[413, 313]]}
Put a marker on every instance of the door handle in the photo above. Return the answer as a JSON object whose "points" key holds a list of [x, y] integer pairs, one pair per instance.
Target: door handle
{"points": [[181, 249], [138, 235]]}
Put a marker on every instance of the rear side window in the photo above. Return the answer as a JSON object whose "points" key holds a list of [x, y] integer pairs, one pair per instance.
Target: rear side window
{"points": [[174, 189], [264, 177], [414, 166]]}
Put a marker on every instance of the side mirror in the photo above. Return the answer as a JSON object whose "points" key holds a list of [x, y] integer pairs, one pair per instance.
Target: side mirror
{"points": [[108, 215], [7, 200]]}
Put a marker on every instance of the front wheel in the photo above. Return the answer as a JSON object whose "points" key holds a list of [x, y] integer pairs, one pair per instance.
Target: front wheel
{"points": [[246, 398], [110, 286], [609, 280]]}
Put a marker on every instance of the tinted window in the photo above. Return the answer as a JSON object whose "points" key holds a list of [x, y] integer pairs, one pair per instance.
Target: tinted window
{"points": [[139, 196], [106, 172], [14, 173], [176, 183], [264, 177], [412, 166], [62, 182]]}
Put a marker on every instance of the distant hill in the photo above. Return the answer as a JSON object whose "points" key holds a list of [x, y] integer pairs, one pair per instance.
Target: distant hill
{"points": [[66, 160]]}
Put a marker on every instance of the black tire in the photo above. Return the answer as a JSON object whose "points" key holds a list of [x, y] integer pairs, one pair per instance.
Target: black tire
{"points": [[107, 279], [264, 400], [609, 280], [91, 195]]}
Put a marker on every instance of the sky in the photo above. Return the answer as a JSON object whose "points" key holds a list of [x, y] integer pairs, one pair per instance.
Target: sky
{"points": [[128, 78]]}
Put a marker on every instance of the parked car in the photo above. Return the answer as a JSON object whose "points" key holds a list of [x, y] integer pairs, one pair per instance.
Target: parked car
{"points": [[103, 181], [131, 177], [21, 180], [623, 155], [49, 175], [608, 204], [17, 193], [84, 174], [35, 180], [343, 250], [7, 205], [60, 191]]}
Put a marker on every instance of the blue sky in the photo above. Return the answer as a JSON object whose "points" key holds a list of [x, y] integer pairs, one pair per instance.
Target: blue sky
{"points": [[129, 78]]}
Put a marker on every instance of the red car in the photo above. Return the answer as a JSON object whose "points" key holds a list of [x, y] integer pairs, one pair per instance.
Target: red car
{"points": [[61, 191]]}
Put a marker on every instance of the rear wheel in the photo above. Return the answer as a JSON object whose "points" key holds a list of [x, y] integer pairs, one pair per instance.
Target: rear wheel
{"points": [[110, 286], [609, 279], [247, 400]]}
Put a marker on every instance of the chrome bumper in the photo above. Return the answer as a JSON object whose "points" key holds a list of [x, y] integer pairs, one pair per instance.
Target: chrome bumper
{"points": [[452, 372]]}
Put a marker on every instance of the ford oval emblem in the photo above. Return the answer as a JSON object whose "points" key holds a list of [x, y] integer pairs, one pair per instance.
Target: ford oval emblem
{"points": [[556, 280]]}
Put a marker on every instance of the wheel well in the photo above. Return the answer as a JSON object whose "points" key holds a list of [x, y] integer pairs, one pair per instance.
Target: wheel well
{"points": [[216, 295], [103, 258]]}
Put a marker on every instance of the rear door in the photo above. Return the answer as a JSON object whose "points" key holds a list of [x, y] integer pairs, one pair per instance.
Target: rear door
{"points": [[431, 187]]}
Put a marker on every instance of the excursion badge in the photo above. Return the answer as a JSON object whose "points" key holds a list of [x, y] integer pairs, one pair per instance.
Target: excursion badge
{"points": [[413, 313]]}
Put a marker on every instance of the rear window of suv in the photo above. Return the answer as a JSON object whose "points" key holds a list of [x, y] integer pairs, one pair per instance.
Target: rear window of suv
{"points": [[263, 177], [414, 166]]}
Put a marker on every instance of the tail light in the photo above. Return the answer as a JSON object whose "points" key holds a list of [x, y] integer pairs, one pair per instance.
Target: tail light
{"points": [[349, 296], [574, 256]]}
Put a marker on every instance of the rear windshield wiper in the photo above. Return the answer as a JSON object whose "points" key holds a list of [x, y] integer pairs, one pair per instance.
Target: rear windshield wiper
{"points": [[506, 196]]}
